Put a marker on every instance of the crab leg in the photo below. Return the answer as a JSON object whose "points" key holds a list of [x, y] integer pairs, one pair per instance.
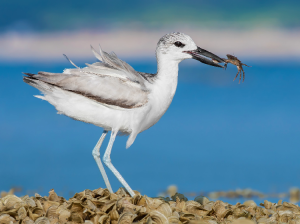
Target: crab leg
{"points": [[246, 65], [236, 75]]}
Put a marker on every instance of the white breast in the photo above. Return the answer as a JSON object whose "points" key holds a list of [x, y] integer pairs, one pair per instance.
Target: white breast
{"points": [[161, 95]]}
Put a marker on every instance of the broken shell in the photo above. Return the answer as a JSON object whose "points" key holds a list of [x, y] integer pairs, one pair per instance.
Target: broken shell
{"points": [[284, 219], [54, 221], [122, 192], [9, 201], [126, 218], [267, 204], [101, 192], [165, 209], [32, 215], [188, 217], [19, 205], [263, 220], [5, 218], [126, 204], [53, 196], [76, 207], [76, 217], [22, 213], [89, 205], [135, 192], [139, 200], [290, 205], [104, 219], [29, 201], [95, 219], [173, 220], [38, 204], [27, 220], [285, 212], [143, 210], [48, 204], [238, 212], [114, 215], [208, 206], [153, 203], [209, 218], [64, 215], [88, 222], [180, 204], [195, 208], [51, 212], [36, 195], [101, 207], [251, 210], [158, 217], [113, 196], [38, 211], [142, 201], [221, 211], [148, 220], [2, 207], [42, 220], [250, 203], [108, 205], [243, 221], [176, 214]]}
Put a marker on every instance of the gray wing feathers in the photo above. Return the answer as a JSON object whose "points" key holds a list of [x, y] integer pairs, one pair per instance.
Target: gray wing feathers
{"points": [[110, 81], [105, 89], [113, 62]]}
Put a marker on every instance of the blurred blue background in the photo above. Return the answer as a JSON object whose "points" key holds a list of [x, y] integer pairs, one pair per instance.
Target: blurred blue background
{"points": [[216, 135]]}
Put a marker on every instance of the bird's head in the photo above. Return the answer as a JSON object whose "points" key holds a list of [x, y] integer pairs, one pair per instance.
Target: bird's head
{"points": [[179, 46]]}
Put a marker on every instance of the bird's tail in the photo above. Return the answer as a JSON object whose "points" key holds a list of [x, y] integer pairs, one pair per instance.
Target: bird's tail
{"points": [[40, 85], [130, 140]]}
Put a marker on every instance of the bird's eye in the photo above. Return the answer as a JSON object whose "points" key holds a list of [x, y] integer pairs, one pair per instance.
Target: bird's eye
{"points": [[179, 44]]}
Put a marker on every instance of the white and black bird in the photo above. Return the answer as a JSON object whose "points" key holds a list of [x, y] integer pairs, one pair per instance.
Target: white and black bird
{"points": [[112, 95]]}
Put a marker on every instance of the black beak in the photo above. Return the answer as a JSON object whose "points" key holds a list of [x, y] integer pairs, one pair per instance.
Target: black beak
{"points": [[197, 55]]}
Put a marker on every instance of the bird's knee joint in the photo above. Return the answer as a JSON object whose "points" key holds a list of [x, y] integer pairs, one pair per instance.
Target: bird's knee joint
{"points": [[95, 153], [106, 160]]}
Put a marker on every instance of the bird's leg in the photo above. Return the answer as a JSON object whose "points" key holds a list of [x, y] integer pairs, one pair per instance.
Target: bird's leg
{"points": [[96, 155], [243, 74], [107, 162]]}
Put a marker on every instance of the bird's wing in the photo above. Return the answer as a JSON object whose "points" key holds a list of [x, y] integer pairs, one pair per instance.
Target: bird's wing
{"points": [[110, 81], [101, 88], [111, 65]]}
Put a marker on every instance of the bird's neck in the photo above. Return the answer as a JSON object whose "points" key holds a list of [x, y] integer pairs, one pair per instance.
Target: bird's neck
{"points": [[166, 83], [167, 69]]}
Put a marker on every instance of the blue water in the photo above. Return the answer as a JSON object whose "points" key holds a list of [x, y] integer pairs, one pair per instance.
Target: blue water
{"points": [[216, 135]]}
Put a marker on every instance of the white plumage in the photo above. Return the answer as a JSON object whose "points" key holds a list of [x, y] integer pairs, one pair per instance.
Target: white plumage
{"points": [[112, 95]]}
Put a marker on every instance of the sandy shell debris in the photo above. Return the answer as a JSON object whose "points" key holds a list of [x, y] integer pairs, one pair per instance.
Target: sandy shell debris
{"points": [[102, 207]]}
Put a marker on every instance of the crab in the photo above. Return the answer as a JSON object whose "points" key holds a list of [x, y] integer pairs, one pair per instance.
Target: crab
{"points": [[235, 61]]}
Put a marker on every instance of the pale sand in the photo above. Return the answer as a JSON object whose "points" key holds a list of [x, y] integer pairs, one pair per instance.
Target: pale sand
{"points": [[141, 44]]}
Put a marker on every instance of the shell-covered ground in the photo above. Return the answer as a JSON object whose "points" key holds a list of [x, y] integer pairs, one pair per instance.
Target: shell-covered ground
{"points": [[101, 206]]}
